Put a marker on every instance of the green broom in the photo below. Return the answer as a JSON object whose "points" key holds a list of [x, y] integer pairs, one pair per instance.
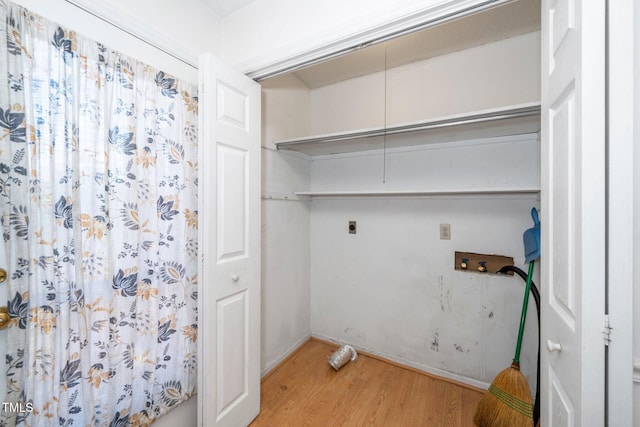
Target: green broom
{"points": [[508, 401]]}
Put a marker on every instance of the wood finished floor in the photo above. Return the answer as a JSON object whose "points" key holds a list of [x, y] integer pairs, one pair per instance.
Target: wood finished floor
{"points": [[306, 391]]}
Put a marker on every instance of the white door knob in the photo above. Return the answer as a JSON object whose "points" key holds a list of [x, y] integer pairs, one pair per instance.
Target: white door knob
{"points": [[235, 277], [554, 346]]}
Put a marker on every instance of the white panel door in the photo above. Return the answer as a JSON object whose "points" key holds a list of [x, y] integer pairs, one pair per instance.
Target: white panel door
{"points": [[229, 224], [573, 213]]}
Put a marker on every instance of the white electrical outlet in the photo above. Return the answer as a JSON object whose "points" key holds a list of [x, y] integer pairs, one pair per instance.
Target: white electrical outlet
{"points": [[445, 231]]}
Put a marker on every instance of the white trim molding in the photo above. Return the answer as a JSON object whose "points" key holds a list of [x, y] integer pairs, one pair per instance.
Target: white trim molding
{"points": [[328, 45], [275, 363], [139, 29], [620, 146]]}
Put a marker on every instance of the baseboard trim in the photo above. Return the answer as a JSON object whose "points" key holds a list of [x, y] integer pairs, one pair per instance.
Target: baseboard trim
{"points": [[458, 380], [288, 354]]}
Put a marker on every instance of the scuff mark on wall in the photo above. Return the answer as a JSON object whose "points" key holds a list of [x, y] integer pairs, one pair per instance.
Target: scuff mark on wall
{"points": [[434, 343], [491, 315], [445, 295], [460, 349]]}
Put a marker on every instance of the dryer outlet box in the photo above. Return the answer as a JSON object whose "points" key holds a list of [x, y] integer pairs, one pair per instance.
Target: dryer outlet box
{"points": [[481, 263]]}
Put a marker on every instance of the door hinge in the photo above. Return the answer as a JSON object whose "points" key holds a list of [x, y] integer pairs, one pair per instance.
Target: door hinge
{"points": [[606, 332]]}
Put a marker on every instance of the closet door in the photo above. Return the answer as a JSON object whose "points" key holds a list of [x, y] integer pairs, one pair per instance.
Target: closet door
{"points": [[573, 213], [229, 224]]}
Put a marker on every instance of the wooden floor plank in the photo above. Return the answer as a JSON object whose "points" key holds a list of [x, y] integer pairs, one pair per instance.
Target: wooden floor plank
{"points": [[451, 407], [431, 394], [470, 400], [306, 391]]}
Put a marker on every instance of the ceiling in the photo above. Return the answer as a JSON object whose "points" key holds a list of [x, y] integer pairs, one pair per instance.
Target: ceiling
{"points": [[224, 8], [509, 20]]}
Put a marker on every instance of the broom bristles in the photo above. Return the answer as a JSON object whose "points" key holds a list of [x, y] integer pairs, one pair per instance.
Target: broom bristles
{"points": [[507, 403]]}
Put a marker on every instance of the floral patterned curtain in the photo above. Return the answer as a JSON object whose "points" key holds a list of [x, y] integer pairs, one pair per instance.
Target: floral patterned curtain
{"points": [[98, 200]]}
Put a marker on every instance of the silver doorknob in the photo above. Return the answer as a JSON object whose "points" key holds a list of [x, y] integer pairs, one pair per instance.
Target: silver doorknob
{"points": [[235, 277], [554, 346]]}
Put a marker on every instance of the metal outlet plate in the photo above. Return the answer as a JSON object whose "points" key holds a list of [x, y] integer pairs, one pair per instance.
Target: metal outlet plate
{"points": [[352, 227]]}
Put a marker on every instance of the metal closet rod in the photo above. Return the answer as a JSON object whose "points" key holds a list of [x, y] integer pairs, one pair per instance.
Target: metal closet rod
{"points": [[417, 27], [142, 39]]}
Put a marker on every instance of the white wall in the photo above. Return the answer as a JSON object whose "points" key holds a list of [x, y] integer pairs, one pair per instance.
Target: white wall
{"points": [[267, 31], [504, 162], [185, 415], [285, 320], [286, 109], [496, 74], [391, 289], [187, 28], [285, 223]]}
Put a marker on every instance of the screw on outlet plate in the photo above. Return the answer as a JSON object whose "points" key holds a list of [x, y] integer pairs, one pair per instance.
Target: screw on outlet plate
{"points": [[352, 227]]}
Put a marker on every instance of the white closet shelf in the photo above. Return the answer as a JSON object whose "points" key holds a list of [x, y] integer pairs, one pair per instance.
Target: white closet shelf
{"points": [[512, 120], [508, 191]]}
